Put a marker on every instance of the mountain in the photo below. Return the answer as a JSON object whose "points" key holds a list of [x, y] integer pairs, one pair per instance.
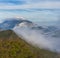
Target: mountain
{"points": [[52, 31], [10, 23], [12, 46], [44, 37]]}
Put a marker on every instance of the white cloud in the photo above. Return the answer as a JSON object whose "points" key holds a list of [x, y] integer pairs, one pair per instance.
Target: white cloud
{"points": [[36, 38], [32, 5]]}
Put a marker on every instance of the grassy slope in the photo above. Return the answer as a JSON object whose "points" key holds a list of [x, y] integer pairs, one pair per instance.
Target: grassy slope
{"points": [[11, 46]]}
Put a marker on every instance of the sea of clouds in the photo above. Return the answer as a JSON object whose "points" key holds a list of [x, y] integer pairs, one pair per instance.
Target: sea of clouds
{"points": [[36, 38]]}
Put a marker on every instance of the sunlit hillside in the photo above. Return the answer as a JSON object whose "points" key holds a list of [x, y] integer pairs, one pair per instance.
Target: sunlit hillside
{"points": [[11, 46]]}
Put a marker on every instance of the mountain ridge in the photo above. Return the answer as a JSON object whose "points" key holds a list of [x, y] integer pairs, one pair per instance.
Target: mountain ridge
{"points": [[13, 46]]}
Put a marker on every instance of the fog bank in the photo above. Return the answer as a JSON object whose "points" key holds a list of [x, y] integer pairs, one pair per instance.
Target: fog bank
{"points": [[35, 38]]}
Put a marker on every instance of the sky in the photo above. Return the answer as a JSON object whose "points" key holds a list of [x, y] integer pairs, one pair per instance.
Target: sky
{"points": [[35, 10], [25, 4]]}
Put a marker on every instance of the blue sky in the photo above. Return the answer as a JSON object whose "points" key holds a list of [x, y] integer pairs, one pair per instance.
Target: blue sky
{"points": [[35, 10]]}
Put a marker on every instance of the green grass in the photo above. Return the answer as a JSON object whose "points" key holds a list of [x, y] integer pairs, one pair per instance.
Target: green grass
{"points": [[11, 46]]}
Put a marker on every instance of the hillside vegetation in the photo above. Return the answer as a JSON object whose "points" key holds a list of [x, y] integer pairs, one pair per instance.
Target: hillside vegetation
{"points": [[11, 46]]}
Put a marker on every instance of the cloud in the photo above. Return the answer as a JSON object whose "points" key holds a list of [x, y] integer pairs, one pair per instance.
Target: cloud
{"points": [[34, 14], [36, 38], [44, 0], [25, 4], [31, 9], [50, 5]]}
